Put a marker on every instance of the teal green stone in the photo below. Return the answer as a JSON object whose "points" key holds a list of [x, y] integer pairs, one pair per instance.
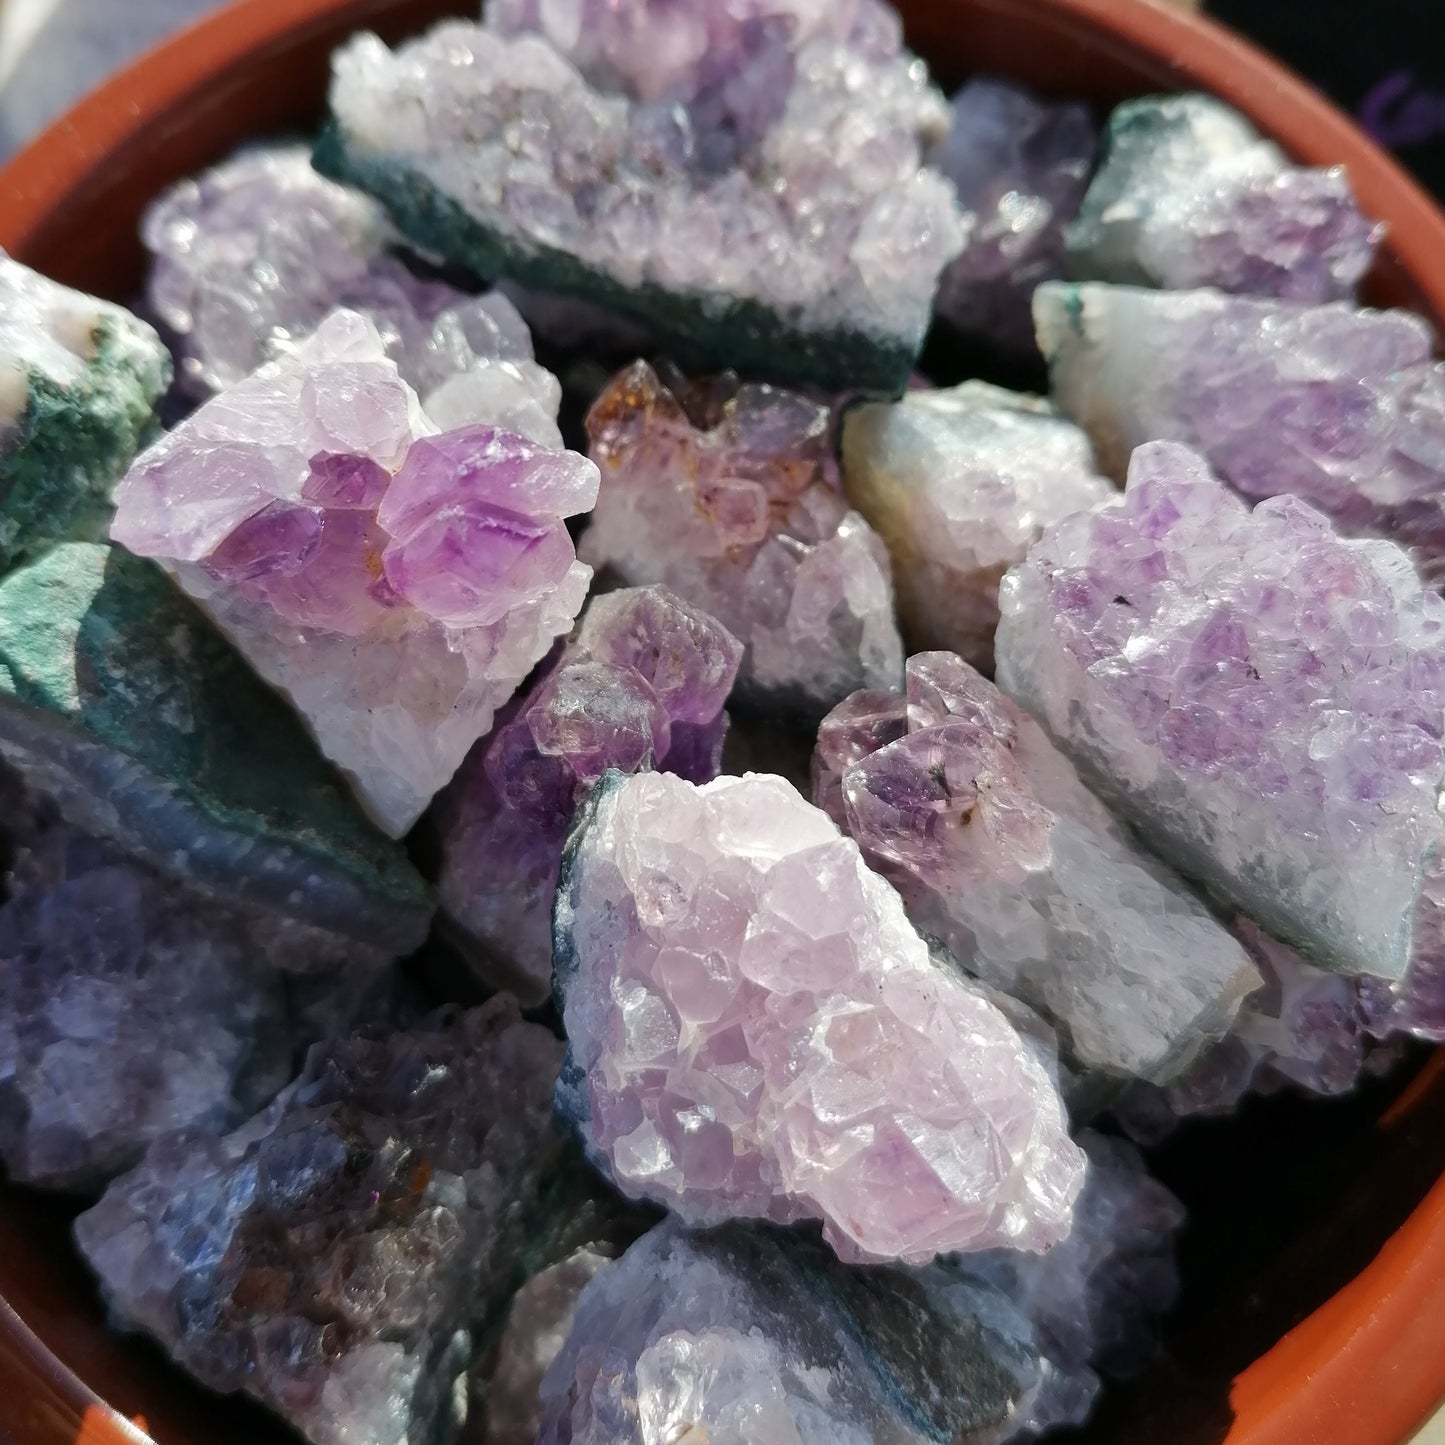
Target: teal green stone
{"points": [[72, 445], [741, 334], [117, 696]]}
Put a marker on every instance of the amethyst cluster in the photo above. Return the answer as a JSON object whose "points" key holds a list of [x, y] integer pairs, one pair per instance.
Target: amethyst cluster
{"points": [[252, 256], [642, 684], [728, 493], [395, 583], [328, 1256]]}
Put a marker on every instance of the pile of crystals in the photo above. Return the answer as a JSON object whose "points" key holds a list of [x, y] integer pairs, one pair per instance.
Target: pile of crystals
{"points": [[642, 684], [80, 380], [328, 1256], [747, 178], [728, 493], [1265, 701], [394, 583], [1006, 860], [959, 483], [251, 256]]}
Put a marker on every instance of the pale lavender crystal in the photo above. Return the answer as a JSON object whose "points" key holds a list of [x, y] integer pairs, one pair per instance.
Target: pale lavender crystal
{"points": [[755, 1029], [856, 728], [131, 1005], [744, 1337], [1020, 166], [1190, 195], [1094, 1300], [396, 585], [642, 684], [1342, 407], [328, 1256], [728, 493], [252, 255], [958, 483], [757, 152], [1003, 857], [1263, 700]]}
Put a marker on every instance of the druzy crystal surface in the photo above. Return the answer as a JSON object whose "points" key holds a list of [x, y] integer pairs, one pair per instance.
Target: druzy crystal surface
{"points": [[327, 1256], [1020, 165], [118, 699], [79, 383], [1004, 857], [728, 493], [394, 583], [958, 483], [741, 1337], [1260, 697], [755, 1029], [1190, 195], [1344, 408], [641, 684], [746, 179], [1095, 1299], [252, 255]]}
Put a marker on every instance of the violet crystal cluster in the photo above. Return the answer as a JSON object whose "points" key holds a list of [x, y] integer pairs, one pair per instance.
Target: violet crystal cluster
{"points": [[642, 684], [1003, 857], [251, 256], [746, 178], [1262, 698], [328, 1256], [1344, 408], [1190, 195], [755, 1030], [394, 583], [728, 493]]}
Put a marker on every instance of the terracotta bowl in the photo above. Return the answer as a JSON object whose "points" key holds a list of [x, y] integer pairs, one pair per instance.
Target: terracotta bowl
{"points": [[1314, 1263]]}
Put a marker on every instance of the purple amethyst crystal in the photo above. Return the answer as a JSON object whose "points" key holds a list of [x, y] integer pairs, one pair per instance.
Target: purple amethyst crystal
{"points": [[1263, 700], [755, 1030], [396, 585], [747, 177], [1189, 195], [251, 257], [328, 1256], [642, 684], [728, 493], [1003, 857], [1020, 166], [1343, 408], [959, 483], [743, 1336]]}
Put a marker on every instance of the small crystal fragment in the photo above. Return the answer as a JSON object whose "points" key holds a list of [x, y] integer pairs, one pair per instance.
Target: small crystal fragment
{"points": [[1003, 857], [746, 179], [1020, 166], [1190, 195], [395, 585], [118, 699], [1263, 700], [642, 684], [728, 493], [1343, 408], [959, 483], [328, 1256], [79, 384], [740, 1336], [252, 255], [756, 1031]]}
